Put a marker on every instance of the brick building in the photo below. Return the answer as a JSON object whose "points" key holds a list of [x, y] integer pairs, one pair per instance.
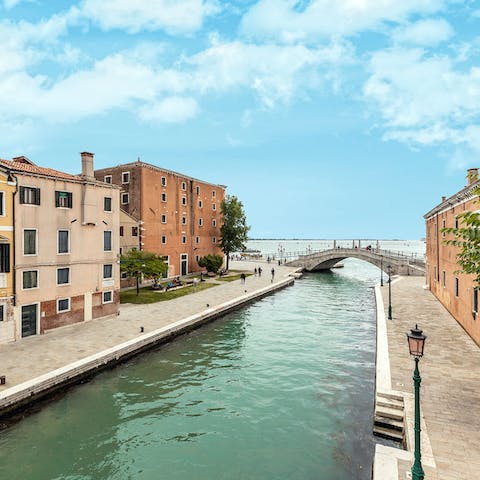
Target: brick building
{"points": [[179, 215], [66, 230], [454, 290]]}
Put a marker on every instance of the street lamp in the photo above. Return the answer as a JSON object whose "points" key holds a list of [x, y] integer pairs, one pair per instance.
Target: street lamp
{"points": [[389, 292], [381, 271], [416, 342]]}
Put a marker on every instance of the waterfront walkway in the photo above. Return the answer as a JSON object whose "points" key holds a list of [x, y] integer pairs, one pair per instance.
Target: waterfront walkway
{"points": [[37, 355], [450, 370]]}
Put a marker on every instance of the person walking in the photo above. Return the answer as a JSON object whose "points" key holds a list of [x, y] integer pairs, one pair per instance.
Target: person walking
{"points": [[255, 271], [242, 277], [273, 274], [259, 271]]}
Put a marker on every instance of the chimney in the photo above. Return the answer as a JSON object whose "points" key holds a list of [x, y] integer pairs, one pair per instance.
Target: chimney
{"points": [[87, 165], [443, 198], [472, 175]]}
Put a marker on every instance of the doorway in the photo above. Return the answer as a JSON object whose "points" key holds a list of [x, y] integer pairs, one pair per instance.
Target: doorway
{"points": [[29, 320], [183, 264]]}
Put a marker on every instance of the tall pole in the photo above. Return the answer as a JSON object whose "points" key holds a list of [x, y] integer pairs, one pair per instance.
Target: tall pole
{"points": [[417, 470], [389, 292], [381, 271]]}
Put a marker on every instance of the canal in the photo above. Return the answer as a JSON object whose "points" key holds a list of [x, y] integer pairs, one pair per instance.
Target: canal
{"points": [[282, 389]]}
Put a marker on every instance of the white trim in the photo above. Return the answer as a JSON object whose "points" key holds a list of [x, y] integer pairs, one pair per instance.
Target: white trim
{"points": [[111, 241], [200, 204], [163, 181], [163, 196], [184, 260], [214, 222], [3, 193], [197, 240], [126, 173], [58, 243], [200, 222], [103, 297], [6, 229], [214, 207], [103, 271], [162, 217], [184, 186], [38, 279], [105, 179], [69, 276], [111, 204], [162, 238], [184, 200], [37, 320], [69, 305], [450, 206], [36, 243], [184, 237], [128, 198]]}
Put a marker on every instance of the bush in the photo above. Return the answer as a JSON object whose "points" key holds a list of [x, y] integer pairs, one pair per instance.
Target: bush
{"points": [[211, 262]]}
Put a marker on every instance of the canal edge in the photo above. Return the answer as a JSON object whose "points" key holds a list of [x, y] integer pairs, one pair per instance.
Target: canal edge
{"points": [[21, 396]]}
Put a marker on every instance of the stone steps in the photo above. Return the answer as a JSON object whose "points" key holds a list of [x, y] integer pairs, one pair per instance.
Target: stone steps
{"points": [[389, 416], [388, 434]]}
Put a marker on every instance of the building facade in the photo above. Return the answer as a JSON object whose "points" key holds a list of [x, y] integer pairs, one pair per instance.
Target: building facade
{"points": [[66, 231], [7, 324], [179, 215], [453, 289], [129, 240]]}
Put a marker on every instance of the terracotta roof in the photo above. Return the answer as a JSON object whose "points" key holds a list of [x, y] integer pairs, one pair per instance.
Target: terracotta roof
{"points": [[36, 170]]}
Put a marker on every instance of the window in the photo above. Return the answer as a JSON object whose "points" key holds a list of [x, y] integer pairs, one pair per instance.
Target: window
{"points": [[123, 275], [444, 278], [125, 198], [184, 200], [197, 240], [2, 204], [63, 276], [30, 195], [164, 197], [197, 258], [125, 177], [456, 222], [4, 257], [443, 226], [214, 193], [164, 239], [184, 220], [164, 181], [134, 231], [456, 286], [200, 222], [184, 185], [214, 222], [107, 297], [2, 308], [107, 204], [107, 179], [214, 239], [475, 301], [121, 231], [30, 242], [63, 199], [184, 239], [214, 206], [63, 305], [108, 271], [164, 219], [197, 189], [200, 204], [30, 279], [107, 241], [63, 241]]}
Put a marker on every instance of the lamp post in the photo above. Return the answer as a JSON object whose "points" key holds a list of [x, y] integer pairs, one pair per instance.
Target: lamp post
{"points": [[416, 342], [389, 292], [381, 271]]}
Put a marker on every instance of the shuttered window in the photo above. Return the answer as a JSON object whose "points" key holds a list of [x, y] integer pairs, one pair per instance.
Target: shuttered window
{"points": [[4, 257], [30, 195]]}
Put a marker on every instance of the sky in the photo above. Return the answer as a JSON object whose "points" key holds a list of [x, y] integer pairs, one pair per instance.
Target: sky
{"points": [[326, 118]]}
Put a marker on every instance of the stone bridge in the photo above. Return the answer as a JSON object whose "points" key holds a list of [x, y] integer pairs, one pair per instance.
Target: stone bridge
{"points": [[390, 262]]}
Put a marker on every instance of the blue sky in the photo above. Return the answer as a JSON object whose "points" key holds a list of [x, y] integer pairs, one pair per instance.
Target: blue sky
{"points": [[327, 118]]}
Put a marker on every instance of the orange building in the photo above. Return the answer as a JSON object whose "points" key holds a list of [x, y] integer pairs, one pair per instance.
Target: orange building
{"points": [[454, 290], [179, 215]]}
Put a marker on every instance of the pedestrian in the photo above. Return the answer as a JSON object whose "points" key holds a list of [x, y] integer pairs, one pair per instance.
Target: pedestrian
{"points": [[255, 271], [279, 262], [259, 271], [273, 274], [242, 277]]}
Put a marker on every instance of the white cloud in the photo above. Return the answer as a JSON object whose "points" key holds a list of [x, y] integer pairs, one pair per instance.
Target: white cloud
{"points": [[285, 20], [174, 16], [169, 110], [427, 32], [8, 4]]}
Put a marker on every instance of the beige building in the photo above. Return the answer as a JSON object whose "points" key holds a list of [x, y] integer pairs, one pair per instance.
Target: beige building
{"points": [[66, 246]]}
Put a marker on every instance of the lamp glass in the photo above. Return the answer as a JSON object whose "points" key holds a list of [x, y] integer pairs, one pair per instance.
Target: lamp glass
{"points": [[416, 341]]}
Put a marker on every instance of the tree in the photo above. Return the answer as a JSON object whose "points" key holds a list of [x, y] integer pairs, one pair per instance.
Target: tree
{"points": [[467, 239], [138, 263], [234, 229], [211, 262]]}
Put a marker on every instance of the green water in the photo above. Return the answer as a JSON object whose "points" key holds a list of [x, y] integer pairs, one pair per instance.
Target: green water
{"points": [[282, 389]]}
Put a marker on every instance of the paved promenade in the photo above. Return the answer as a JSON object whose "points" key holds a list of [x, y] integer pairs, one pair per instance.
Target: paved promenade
{"points": [[450, 370], [34, 356]]}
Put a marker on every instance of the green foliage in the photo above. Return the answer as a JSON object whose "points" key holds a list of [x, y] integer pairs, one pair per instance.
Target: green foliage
{"points": [[211, 262], [467, 239], [138, 263], [234, 229]]}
